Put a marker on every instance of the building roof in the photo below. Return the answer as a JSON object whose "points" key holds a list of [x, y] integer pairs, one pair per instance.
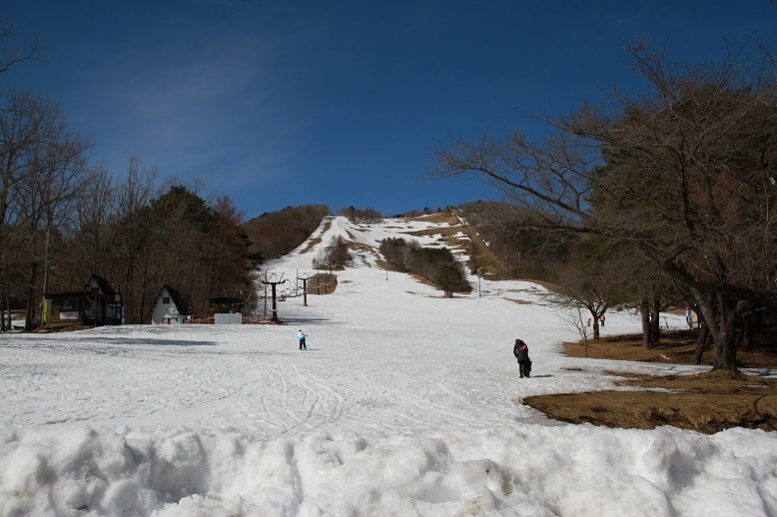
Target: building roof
{"points": [[182, 302], [102, 284]]}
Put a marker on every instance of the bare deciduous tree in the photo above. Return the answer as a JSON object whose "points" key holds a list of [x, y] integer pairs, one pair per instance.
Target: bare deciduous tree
{"points": [[685, 175]]}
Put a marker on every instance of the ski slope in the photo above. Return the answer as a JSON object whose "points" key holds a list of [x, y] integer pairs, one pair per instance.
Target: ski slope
{"points": [[405, 403]]}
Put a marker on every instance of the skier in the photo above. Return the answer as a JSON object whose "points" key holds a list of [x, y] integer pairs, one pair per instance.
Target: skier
{"points": [[301, 338], [521, 353]]}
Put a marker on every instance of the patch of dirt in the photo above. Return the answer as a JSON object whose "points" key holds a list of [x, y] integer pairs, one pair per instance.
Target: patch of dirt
{"points": [[441, 217], [708, 403], [519, 301], [677, 347], [61, 327]]}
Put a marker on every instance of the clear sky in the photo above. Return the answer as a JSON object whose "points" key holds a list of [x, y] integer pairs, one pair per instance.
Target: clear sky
{"points": [[285, 103]]}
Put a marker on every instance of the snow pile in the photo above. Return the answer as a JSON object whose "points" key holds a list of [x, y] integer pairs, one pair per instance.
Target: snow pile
{"points": [[406, 403], [533, 470]]}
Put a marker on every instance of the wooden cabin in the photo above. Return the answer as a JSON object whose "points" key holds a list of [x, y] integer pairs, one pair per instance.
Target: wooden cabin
{"points": [[96, 304]]}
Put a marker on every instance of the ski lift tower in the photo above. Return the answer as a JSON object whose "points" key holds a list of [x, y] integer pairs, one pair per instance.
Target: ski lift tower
{"points": [[304, 288], [273, 283]]}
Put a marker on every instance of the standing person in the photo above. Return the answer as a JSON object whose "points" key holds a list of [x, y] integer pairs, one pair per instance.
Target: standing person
{"points": [[301, 338], [521, 353], [601, 321]]}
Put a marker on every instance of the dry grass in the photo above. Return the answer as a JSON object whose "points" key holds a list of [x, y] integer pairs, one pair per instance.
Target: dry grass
{"points": [[708, 403], [520, 301], [61, 327], [442, 217], [676, 348]]}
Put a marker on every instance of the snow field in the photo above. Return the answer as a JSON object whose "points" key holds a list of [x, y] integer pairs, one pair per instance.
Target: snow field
{"points": [[404, 404], [533, 469]]}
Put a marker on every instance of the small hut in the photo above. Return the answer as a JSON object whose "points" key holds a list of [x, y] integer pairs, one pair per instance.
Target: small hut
{"points": [[170, 307]]}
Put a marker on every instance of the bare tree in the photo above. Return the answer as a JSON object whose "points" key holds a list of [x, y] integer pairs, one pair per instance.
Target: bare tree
{"points": [[94, 211], [576, 319], [41, 173], [10, 55], [130, 236], [685, 175]]}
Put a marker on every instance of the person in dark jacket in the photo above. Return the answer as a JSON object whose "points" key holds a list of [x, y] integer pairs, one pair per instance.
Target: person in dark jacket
{"points": [[521, 353]]}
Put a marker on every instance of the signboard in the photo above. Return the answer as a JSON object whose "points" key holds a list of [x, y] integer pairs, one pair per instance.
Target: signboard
{"points": [[69, 315], [233, 318]]}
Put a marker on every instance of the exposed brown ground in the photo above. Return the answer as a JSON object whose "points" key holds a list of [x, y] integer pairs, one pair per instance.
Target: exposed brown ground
{"points": [[676, 348], [708, 402]]}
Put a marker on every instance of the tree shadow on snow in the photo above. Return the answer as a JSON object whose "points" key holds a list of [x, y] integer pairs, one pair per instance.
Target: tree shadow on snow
{"points": [[302, 320], [541, 376]]}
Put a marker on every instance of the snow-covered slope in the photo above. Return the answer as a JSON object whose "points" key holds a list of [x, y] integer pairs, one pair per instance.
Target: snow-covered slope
{"points": [[406, 403]]}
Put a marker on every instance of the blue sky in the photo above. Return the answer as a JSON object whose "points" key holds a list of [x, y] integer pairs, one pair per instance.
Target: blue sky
{"points": [[279, 104]]}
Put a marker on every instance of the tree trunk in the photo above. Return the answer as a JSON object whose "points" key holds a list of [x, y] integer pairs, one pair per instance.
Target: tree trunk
{"points": [[31, 298], [702, 341], [2, 312], [722, 327], [8, 304], [644, 313], [746, 337], [655, 320], [725, 349]]}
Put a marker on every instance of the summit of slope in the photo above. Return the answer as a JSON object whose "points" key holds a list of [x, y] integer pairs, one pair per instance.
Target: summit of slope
{"points": [[364, 239]]}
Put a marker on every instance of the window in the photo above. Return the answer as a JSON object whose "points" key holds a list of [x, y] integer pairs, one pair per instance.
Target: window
{"points": [[69, 303], [166, 299]]}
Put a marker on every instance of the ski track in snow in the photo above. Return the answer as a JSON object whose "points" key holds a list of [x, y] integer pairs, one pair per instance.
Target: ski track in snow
{"points": [[405, 404]]}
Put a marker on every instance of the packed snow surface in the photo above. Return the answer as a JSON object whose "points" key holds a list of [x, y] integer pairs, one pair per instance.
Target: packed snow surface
{"points": [[405, 403]]}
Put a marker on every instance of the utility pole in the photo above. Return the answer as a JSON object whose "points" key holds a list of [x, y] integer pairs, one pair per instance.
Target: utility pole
{"points": [[46, 310]]}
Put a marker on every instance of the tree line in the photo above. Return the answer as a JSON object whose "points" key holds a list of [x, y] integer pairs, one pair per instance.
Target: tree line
{"points": [[668, 196], [62, 220]]}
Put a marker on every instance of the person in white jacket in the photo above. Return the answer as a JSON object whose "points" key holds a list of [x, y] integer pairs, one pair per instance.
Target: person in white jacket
{"points": [[301, 338]]}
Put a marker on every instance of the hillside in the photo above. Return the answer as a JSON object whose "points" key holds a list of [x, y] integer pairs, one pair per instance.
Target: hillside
{"points": [[273, 234], [363, 240], [405, 403]]}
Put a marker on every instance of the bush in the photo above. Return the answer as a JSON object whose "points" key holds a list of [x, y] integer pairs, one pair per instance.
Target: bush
{"points": [[436, 265], [336, 255]]}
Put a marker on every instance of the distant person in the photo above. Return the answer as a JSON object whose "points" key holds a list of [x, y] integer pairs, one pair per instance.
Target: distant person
{"points": [[301, 338], [601, 321], [521, 353]]}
